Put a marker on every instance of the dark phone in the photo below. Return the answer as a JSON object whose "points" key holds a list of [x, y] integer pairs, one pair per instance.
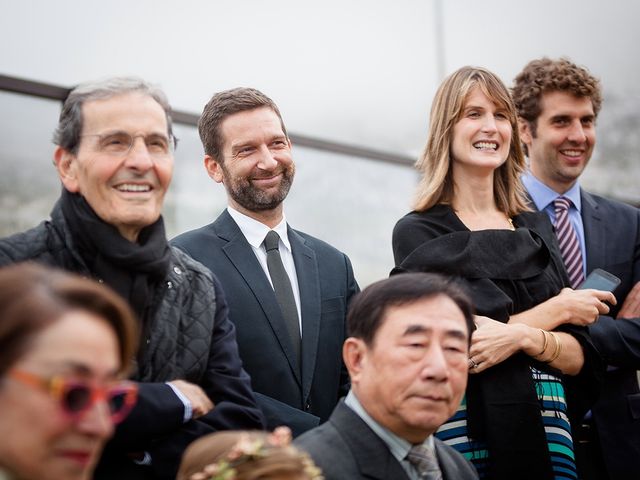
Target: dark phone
{"points": [[601, 280]]}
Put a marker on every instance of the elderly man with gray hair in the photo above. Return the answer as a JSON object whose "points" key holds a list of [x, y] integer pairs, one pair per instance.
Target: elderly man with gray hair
{"points": [[114, 156]]}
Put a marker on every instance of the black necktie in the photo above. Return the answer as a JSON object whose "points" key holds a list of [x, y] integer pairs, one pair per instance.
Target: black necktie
{"points": [[283, 290]]}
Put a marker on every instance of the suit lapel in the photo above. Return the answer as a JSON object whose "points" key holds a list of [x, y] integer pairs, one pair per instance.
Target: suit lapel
{"points": [[244, 260], [450, 470], [593, 232], [372, 455], [309, 285]]}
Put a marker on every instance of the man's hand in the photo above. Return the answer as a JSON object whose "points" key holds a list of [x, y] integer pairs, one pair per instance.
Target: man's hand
{"points": [[200, 402], [584, 306], [631, 306]]}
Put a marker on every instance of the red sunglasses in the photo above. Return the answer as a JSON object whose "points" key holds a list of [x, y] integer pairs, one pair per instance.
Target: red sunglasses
{"points": [[78, 397]]}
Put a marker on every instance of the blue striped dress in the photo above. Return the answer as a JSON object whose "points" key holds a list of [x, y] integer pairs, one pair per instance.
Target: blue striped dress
{"points": [[551, 395]]}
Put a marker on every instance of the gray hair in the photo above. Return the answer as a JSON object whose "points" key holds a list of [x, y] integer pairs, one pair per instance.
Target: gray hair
{"points": [[67, 133]]}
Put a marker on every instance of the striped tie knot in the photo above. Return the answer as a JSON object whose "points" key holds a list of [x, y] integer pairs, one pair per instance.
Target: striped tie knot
{"points": [[562, 203], [423, 458]]}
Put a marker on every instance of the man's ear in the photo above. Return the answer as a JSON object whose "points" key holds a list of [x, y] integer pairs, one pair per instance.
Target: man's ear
{"points": [[67, 165], [213, 169], [525, 132], [354, 353]]}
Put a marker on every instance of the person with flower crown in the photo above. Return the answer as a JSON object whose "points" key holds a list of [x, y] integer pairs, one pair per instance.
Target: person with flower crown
{"points": [[247, 455]]}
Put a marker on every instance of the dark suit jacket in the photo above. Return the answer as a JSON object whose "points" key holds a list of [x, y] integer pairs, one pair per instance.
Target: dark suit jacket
{"points": [[346, 448], [288, 395], [612, 237]]}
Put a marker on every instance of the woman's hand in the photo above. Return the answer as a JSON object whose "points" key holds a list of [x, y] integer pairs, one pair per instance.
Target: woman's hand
{"points": [[493, 342]]}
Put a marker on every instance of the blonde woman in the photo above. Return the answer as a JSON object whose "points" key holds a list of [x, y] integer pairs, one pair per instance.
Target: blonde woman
{"points": [[532, 363]]}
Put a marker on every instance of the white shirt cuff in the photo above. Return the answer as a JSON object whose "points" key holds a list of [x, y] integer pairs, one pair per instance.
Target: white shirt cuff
{"points": [[188, 409], [146, 460]]}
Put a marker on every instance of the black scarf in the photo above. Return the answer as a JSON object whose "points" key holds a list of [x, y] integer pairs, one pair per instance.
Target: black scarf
{"points": [[131, 269]]}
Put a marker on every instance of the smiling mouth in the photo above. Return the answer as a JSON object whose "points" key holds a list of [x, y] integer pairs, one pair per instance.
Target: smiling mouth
{"points": [[133, 188], [486, 146], [266, 178], [571, 153]]}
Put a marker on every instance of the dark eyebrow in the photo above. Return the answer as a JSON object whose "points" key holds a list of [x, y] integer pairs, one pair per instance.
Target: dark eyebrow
{"points": [[412, 329], [415, 329]]}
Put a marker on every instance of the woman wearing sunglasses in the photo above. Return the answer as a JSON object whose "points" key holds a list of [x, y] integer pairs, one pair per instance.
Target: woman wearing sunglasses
{"points": [[65, 343]]}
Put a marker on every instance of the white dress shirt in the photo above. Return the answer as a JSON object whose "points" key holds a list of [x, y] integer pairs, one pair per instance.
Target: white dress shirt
{"points": [[255, 231]]}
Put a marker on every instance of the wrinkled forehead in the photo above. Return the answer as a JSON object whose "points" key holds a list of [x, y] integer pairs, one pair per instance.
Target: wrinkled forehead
{"points": [[438, 314], [132, 112], [246, 124], [565, 102]]}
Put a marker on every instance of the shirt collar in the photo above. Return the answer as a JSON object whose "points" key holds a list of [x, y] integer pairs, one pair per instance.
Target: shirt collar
{"points": [[542, 195], [255, 231], [398, 446]]}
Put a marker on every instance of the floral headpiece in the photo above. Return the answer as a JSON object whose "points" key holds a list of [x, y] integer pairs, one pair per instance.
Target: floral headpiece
{"points": [[246, 450]]}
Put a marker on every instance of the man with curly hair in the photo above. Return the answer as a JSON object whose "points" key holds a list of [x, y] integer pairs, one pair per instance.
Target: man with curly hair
{"points": [[558, 103]]}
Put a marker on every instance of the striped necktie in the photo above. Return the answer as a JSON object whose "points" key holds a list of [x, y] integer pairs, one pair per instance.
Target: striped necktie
{"points": [[423, 459], [568, 239]]}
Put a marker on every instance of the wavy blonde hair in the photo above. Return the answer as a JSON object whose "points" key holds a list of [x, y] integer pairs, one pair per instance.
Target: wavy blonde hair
{"points": [[436, 184]]}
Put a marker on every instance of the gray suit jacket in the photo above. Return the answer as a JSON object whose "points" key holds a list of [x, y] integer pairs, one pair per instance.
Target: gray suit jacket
{"points": [[612, 237], [299, 396], [345, 448]]}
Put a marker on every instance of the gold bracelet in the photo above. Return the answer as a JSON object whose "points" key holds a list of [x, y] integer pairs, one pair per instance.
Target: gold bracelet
{"points": [[544, 344], [558, 349]]}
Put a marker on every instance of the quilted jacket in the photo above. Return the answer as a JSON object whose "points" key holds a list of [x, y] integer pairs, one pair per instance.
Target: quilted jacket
{"points": [[189, 337]]}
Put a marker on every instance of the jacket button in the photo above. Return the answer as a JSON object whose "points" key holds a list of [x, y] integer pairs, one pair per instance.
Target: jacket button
{"points": [[307, 407], [177, 270]]}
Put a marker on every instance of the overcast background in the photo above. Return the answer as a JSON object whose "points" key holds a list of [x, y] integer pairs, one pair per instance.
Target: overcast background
{"points": [[358, 72]]}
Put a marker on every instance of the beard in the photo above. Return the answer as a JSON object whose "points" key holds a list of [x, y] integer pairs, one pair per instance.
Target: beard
{"points": [[244, 193]]}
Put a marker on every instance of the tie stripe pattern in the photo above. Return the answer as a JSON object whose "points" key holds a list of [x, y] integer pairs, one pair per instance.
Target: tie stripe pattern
{"points": [[568, 239], [424, 460]]}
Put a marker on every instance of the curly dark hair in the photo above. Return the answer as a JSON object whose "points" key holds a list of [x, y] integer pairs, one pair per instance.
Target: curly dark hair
{"points": [[547, 75]]}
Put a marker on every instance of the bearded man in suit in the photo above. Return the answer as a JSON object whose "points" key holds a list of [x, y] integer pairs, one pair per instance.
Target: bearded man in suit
{"points": [[290, 322]]}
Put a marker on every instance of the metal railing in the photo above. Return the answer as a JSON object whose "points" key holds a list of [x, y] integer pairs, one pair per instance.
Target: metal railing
{"points": [[57, 92]]}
